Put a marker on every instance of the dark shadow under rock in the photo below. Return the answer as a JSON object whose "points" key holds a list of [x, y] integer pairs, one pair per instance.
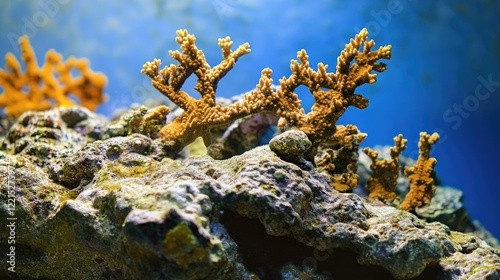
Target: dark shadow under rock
{"points": [[267, 255]]}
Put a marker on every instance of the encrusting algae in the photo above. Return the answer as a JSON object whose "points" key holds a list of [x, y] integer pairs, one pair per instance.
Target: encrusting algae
{"points": [[41, 88]]}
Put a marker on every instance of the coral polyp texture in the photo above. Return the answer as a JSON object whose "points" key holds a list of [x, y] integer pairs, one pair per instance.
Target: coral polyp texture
{"points": [[421, 174], [383, 181], [41, 88], [339, 159], [382, 184], [332, 92]]}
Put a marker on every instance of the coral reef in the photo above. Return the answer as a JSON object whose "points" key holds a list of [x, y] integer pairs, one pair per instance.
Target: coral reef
{"points": [[40, 88], [354, 68], [118, 210], [100, 200]]}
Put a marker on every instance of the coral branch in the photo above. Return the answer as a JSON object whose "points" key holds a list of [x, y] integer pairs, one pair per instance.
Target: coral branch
{"points": [[420, 174], [199, 115], [339, 158], [51, 85], [329, 105], [383, 181], [319, 125]]}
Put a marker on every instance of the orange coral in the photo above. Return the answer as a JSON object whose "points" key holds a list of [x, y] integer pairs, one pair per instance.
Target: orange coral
{"points": [[420, 174], [51, 85], [201, 115], [339, 158], [354, 68], [383, 181]]}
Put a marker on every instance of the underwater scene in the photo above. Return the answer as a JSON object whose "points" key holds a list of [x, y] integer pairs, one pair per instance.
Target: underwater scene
{"points": [[244, 139]]}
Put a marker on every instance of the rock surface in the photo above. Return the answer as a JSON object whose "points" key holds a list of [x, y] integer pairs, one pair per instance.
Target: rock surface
{"points": [[118, 209]]}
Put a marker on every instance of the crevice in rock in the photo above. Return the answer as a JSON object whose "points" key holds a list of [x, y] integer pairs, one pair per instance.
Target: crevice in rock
{"points": [[265, 255]]}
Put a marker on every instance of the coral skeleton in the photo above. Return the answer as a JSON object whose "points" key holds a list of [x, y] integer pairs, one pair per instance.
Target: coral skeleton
{"points": [[333, 92], [40, 88]]}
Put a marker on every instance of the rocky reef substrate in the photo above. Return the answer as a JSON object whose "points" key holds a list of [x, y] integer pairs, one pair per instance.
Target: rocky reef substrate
{"points": [[120, 209]]}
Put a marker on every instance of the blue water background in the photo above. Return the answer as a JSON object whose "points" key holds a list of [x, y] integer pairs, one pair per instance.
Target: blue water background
{"points": [[444, 53]]}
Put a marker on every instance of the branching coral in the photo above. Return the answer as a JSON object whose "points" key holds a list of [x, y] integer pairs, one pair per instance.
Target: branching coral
{"points": [[339, 158], [383, 181], [354, 68], [382, 184], [40, 88], [421, 174], [199, 115]]}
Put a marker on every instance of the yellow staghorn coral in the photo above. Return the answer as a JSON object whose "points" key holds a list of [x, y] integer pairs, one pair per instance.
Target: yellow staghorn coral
{"points": [[40, 88], [354, 68], [420, 174], [383, 181]]}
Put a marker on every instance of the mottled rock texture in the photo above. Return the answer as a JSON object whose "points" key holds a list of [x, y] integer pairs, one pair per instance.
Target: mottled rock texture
{"points": [[119, 209]]}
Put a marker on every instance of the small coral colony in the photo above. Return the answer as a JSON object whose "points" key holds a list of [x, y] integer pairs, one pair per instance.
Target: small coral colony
{"points": [[334, 148]]}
